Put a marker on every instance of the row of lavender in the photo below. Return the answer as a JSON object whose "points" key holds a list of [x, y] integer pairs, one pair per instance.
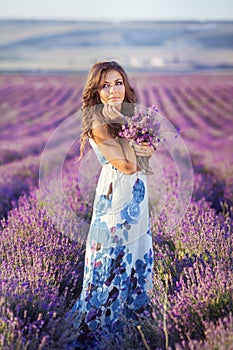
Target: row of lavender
{"points": [[41, 268], [31, 107]]}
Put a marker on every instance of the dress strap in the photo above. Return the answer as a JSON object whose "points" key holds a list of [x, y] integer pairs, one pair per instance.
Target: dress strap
{"points": [[99, 155]]}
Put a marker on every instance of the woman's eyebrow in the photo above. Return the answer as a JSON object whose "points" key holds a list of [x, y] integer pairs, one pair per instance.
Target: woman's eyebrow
{"points": [[106, 81]]}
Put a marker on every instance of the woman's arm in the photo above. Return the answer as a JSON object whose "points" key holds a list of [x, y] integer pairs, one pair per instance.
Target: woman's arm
{"points": [[117, 151]]}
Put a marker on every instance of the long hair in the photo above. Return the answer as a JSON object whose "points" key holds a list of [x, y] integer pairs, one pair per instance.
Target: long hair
{"points": [[92, 105]]}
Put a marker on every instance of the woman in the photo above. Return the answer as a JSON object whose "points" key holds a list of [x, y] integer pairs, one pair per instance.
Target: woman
{"points": [[119, 258]]}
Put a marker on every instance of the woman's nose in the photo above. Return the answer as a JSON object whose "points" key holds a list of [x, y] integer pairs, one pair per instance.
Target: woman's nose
{"points": [[112, 88]]}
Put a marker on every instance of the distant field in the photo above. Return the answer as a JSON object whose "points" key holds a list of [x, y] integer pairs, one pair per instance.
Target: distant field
{"points": [[74, 46], [200, 104], [41, 267]]}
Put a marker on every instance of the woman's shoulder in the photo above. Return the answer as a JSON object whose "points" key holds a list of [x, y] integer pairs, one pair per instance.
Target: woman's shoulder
{"points": [[100, 131]]}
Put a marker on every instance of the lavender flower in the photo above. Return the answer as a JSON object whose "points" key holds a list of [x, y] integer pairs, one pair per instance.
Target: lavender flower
{"points": [[143, 127]]}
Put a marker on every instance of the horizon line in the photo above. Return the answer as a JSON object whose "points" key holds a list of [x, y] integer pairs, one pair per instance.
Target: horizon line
{"points": [[73, 19]]}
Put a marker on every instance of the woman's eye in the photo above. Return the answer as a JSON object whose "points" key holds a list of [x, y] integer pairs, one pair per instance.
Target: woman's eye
{"points": [[106, 86]]}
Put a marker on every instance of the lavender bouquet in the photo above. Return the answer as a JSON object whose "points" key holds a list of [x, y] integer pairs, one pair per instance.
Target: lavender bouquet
{"points": [[143, 127]]}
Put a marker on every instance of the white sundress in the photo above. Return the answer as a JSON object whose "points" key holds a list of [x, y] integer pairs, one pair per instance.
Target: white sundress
{"points": [[119, 253]]}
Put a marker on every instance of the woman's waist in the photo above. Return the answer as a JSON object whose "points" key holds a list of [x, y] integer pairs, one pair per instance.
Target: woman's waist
{"points": [[116, 193], [111, 169]]}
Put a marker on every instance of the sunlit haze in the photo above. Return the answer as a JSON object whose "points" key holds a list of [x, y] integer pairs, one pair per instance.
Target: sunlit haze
{"points": [[120, 10]]}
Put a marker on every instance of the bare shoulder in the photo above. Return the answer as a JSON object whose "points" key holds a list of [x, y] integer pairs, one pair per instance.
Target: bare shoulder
{"points": [[100, 131]]}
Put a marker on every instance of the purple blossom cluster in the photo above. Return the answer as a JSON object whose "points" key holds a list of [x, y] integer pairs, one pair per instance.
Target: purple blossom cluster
{"points": [[144, 126], [41, 268], [147, 126], [40, 276]]}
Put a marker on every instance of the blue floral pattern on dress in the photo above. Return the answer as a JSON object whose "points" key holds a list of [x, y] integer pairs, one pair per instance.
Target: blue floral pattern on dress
{"points": [[103, 205], [131, 212], [118, 267], [138, 191]]}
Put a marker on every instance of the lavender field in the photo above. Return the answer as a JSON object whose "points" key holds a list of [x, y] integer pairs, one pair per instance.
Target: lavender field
{"points": [[41, 267]]}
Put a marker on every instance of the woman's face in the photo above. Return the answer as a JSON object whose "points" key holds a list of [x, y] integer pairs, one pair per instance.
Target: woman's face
{"points": [[112, 91]]}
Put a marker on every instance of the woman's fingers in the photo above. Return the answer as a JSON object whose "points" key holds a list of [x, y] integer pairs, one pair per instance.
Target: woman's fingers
{"points": [[112, 113], [108, 112], [143, 150]]}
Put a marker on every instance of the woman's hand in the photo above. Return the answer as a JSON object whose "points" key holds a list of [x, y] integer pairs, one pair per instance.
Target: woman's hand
{"points": [[112, 113], [143, 150]]}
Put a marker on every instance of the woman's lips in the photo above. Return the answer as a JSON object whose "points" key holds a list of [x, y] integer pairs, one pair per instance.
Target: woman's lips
{"points": [[113, 98]]}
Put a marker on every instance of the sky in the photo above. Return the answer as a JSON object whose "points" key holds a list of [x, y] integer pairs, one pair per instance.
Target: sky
{"points": [[118, 10]]}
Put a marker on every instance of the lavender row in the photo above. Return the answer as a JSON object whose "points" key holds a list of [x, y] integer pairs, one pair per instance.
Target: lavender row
{"points": [[42, 258], [41, 273]]}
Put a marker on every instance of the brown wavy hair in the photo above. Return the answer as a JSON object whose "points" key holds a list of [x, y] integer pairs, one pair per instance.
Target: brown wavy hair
{"points": [[92, 105]]}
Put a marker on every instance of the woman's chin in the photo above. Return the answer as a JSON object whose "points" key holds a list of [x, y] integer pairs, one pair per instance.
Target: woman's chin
{"points": [[115, 104]]}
